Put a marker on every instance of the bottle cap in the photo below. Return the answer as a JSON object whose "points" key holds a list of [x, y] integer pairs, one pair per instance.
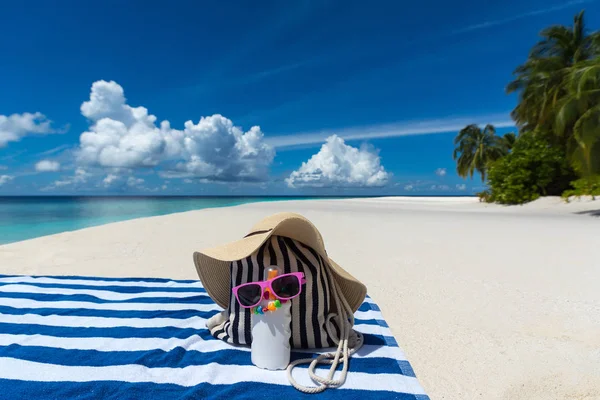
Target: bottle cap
{"points": [[272, 272]]}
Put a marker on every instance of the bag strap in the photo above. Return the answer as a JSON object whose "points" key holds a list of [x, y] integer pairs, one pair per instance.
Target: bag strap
{"points": [[344, 349]]}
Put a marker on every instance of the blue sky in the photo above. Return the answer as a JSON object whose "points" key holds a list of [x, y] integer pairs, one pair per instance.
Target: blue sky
{"points": [[393, 80]]}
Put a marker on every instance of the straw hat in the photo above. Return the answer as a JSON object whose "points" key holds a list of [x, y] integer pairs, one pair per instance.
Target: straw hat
{"points": [[213, 264]]}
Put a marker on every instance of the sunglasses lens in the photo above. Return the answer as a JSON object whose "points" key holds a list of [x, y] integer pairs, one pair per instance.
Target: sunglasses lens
{"points": [[249, 295], [286, 286]]}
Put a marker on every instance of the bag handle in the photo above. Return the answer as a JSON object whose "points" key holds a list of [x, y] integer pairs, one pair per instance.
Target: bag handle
{"points": [[342, 354]]}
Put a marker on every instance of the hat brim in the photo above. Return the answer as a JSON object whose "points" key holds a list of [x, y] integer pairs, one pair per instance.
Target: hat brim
{"points": [[213, 264], [213, 267], [353, 291]]}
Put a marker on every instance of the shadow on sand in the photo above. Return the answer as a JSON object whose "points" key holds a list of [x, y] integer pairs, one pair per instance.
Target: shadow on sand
{"points": [[593, 213]]}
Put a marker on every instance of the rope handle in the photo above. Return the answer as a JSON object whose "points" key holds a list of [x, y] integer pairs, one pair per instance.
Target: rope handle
{"points": [[342, 353]]}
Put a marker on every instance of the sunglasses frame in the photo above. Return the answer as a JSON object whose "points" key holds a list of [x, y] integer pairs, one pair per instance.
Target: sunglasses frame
{"points": [[267, 285]]}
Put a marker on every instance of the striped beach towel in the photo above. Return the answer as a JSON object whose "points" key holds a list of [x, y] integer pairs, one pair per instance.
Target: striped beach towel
{"points": [[140, 338]]}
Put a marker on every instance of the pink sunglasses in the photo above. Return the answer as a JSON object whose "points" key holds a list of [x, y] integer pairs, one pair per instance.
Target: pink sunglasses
{"points": [[283, 287]]}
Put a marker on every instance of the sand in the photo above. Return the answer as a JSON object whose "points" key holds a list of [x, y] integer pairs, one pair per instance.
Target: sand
{"points": [[488, 302]]}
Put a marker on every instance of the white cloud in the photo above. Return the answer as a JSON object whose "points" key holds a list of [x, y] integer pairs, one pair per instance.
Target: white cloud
{"points": [[114, 179], [14, 127], [47, 166], [79, 177], [3, 167], [110, 178], [408, 188], [188, 181], [491, 23], [441, 172], [59, 183], [54, 150], [81, 174], [164, 187], [337, 164], [133, 181], [441, 188], [122, 136], [403, 128], [5, 179], [461, 186]]}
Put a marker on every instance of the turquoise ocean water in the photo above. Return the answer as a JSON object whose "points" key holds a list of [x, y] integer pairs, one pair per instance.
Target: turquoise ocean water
{"points": [[24, 218]]}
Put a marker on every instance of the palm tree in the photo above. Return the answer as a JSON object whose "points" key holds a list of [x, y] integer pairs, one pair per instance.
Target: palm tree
{"points": [[578, 116], [569, 44], [475, 149], [509, 140], [540, 81]]}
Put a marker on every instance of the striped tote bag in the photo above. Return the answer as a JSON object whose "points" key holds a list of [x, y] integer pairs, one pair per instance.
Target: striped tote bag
{"points": [[310, 311]]}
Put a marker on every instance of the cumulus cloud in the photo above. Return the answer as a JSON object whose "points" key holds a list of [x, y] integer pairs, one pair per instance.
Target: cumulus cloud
{"points": [[122, 136], [340, 165], [81, 174], [79, 177], [441, 188], [59, 183], [133, 181], [47, 166], [461, 186], [5, 179], [408, 188], [441, 172], [14, 127], [110, 179]]}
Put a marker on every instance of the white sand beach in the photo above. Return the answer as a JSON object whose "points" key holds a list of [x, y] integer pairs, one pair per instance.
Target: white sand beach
{"points": [[488, 302]]}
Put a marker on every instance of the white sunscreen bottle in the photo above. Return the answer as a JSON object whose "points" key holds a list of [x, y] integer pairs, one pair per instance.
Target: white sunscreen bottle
{"points": [[271, 332]]}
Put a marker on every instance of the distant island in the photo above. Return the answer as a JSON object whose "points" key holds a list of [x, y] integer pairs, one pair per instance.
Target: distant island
{"points": [[557, 148]]}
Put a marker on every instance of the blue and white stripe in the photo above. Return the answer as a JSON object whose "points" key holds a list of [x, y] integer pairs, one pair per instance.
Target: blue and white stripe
{"points": [[82, 337]]}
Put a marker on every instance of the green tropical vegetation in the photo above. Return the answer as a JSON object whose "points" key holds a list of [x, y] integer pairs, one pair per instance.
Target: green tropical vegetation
{"points": [[557, 149], [476, 149]]}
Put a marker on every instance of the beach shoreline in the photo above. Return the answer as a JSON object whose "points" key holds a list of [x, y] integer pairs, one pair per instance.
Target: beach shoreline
{"points": [[487, 301], [551, 204], [28, 217]]}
